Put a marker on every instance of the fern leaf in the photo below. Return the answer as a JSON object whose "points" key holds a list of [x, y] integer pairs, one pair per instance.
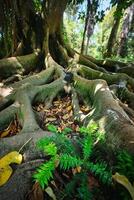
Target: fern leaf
{"points": [[52, 128], [87, 147], [100, 170], [44, 173], [67, 161], [50, 149], [125, 164], [43, 142], [84, 192]]}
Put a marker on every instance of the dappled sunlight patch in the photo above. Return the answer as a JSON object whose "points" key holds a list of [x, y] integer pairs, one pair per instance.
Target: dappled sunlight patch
{"points": [[102, 124], [98, 87], [101, 74], [104, 89], [5, 91], [113, 114]]}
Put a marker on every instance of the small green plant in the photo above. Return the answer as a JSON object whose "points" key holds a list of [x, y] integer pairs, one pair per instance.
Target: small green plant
{"points": [[125, 165], [124, 168], [67, 154]]}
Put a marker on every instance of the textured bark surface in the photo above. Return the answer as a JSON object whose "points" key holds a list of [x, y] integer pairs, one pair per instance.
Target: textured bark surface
{"points": [[126, 27]]}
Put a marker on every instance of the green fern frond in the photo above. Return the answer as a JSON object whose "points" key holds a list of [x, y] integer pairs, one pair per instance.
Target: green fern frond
{"points": [[71, 186], [87, 147], [52, 128], [84, 192], [67, 130], [92, 127], [83, 130], [67, 161], [43, 142], [125, 165], [50, 149], [44, 173], [101, 170], [64, 145]]}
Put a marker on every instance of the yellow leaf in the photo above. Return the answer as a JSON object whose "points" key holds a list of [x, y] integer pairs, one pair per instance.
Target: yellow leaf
{"points": [[12, 157], [69, 108], [5, 169], [5, 133], [5, 174], [76, 170], [125, 182]]}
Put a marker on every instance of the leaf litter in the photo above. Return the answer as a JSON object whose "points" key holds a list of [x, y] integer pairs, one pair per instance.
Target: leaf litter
{"points": [[60, 114]]}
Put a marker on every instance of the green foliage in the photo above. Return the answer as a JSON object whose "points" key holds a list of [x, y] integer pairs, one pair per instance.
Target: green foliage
{"points": [[50, 149], [45, 173], [67, 161], [83, 191], [125, 165], [37, 5], [52, 128], [67, 130], [100, 170], [87, 147], [69, 156]]}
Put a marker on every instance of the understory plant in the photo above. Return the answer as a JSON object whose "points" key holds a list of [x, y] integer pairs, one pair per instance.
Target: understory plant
{"points": [[69, 151], [125, 174]]}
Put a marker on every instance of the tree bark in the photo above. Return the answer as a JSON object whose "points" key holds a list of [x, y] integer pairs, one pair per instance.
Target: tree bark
{"points": [[126, 27]]}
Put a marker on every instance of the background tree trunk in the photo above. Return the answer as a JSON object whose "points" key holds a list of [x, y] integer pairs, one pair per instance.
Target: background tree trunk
{"points": [[126, 27]]}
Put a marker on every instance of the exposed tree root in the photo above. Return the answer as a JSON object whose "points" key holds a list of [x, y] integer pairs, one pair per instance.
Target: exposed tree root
{"points": [[110, 78], [20, 182], [19, 65], [106, 111], [113, 119]]}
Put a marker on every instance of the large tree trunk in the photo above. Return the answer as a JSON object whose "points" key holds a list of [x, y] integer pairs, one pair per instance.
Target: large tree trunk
{"points": [[112, 38], [91, 82], [126, 27], [114, 30], [89, 25]]}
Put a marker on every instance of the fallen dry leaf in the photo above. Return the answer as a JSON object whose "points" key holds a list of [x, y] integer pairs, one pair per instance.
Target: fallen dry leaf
{"points": [[50, 192], [36, 193], [13, 128], [76, 170], [50, 119]]}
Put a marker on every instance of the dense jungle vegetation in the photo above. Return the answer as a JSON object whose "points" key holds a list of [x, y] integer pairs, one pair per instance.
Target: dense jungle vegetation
{"points": [[67, 99]]}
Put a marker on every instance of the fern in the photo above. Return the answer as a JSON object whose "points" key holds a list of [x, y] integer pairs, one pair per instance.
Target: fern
{"points": [[87, 147], [71, 186], [67, 130], [52, 128], [67, 161], [43, 142], [100, 170], [69, 157], [83, 192], [45, 173], [125, 165], [50, 149], [83, 189], [90, 129]]}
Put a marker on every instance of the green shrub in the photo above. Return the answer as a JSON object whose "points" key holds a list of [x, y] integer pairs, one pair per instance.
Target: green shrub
{"points": [[67, 154]]}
